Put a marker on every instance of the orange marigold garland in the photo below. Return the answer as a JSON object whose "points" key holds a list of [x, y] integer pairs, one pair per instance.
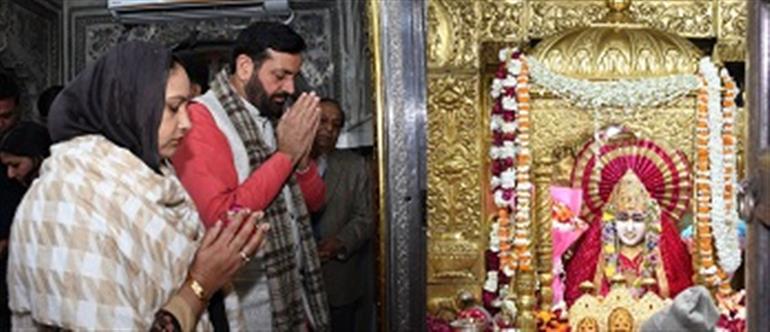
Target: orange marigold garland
{"points": [[521, 241], [702, 218], [729, 142]]}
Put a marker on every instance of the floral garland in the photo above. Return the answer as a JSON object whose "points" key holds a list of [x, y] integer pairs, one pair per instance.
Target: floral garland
{"points": [[702, 217], [730, 173], [521, 240], [503, 153], [721, 170], [626, 94], [511, 163]]}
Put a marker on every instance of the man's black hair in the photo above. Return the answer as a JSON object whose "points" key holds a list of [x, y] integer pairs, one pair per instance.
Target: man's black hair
{"points": [[9, 88], [255, 39], [336, 104]]}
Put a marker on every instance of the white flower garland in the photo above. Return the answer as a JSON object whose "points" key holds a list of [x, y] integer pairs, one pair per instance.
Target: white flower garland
{"points": [[725, 230], [730, 112], [626, 94]]}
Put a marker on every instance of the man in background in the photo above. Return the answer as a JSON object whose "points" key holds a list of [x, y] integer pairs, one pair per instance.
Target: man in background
{"points": [[346, 223], [11, 191], [9, 102]]}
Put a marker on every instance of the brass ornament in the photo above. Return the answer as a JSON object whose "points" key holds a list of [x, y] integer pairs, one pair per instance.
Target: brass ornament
{"points": [[605, 309]]}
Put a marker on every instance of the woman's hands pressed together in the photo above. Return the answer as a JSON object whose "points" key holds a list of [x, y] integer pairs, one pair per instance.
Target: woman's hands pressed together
{"points": [[226, 248]]}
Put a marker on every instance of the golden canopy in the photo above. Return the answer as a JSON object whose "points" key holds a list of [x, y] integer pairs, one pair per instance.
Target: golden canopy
{"points": [[616, 48]]}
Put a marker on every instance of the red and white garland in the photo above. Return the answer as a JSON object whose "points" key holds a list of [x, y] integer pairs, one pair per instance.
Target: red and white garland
{"points": [[511, 163]]}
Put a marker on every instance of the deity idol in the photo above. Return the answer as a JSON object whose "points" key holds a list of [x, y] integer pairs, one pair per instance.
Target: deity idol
{"points": [[632, 236]]}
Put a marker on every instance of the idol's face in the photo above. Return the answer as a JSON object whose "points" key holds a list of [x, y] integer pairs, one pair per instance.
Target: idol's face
{"points": [[631, 227], [588, 325], [621, 321]]}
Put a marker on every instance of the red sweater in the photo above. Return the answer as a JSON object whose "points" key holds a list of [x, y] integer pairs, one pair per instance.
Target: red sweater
{"points": [[204, 164]]}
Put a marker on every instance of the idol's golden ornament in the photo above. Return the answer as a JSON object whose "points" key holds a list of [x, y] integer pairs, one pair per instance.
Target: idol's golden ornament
{"points": [[614, 311]]}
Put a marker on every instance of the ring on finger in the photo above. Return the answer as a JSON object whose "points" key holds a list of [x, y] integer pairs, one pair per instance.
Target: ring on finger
{"points": [[244, 257]]}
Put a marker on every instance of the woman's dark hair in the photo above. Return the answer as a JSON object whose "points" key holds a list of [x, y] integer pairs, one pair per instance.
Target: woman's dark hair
{"points": [[46, 99], [9, 88], [197, 70], [255, 39], [27, 139]]}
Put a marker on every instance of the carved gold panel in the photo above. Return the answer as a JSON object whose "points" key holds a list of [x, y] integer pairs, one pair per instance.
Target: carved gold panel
{"points": [[556, 123], [502, 19], [686, 18], [731, 28], [455, 225], [452, 34], [732, 21], [550, 17]]}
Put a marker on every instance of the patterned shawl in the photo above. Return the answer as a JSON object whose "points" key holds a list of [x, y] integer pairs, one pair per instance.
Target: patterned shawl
{"points": [[101, 241], [285, 280]]}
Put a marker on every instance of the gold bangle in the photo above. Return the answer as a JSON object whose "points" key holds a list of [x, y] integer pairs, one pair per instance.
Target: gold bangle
{"points": [[198, 290]]}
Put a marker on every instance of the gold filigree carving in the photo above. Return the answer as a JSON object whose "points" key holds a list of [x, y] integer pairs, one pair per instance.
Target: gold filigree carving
{"points": [[556, 123], [455, 225], [544, 216], [454, 260], [501, 20], [605, 52], [454, 163], [733, 19], [685, 18], [452, 34], [732, 23], [548, 18], [730, 50]]}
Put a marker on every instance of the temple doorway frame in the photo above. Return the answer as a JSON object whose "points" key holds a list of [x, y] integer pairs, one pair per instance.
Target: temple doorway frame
{"points": [[397, 43], [756, 202]]}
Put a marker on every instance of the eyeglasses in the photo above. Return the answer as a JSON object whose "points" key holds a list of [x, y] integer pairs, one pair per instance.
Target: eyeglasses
{"points": [[635, 216]]}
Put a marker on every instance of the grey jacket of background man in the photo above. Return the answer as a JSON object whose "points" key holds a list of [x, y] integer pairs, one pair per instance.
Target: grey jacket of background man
{"points": [[348, 214]]}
